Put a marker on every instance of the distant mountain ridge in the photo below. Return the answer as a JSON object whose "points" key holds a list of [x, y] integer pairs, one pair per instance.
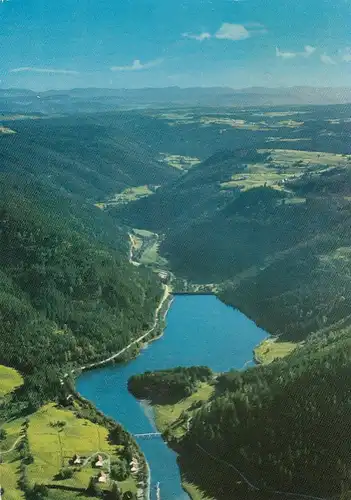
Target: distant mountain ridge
{"points": [[91, 99]]}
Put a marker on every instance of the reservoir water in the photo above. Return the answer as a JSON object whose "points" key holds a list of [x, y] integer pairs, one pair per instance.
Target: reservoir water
{"points": [[201, 330]]}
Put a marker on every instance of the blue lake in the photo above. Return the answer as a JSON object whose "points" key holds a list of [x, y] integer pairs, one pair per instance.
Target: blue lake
{"points": [[201, 330]]}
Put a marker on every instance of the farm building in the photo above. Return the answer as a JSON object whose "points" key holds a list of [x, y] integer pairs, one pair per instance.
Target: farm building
{"points": [[102, 477], [99, 462], [77, 460]]}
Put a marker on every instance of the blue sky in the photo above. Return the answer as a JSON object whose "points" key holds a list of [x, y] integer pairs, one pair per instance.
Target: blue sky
{"points": [[136, 43]]}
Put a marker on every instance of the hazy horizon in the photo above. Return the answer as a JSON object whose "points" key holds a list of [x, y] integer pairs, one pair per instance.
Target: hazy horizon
{"points": [[164, 87]]}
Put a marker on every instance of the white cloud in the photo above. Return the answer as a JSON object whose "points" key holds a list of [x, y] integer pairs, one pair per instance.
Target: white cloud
{"points": [[137, 65], [201, 37], [327, 59], [285, 55], [346, 54], [230, 31], [309, 50], [44, 70]]}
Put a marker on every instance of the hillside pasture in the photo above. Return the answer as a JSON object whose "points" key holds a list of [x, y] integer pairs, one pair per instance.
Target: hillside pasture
{"points": [[178, 161], [9, 479], [126, 196], [6, 130], [284, 165], [9, 468], [10, 380], [55, 436], [271, 349], [168, 417]]}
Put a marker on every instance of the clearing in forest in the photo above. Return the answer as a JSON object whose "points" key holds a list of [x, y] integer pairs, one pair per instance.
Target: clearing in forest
{"points": [[56, 435], [10, 379], [271, 349], [284, 165], [168, 417]]}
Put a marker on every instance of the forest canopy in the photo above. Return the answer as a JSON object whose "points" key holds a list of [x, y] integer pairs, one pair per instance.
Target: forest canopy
{"points": [[168, 386]]}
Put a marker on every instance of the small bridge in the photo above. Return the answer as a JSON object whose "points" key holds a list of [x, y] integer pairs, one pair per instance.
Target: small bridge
{"points": [[148, 435]]}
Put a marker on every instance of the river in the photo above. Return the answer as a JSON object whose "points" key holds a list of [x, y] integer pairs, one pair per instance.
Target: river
{"points": [[201, 330]]}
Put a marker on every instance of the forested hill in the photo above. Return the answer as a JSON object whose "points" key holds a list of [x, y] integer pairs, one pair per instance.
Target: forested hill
{"points": [[68, 294], [89, 157], [284, 426]]}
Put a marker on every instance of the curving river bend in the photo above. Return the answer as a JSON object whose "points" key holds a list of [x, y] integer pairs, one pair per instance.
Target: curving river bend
{"points": [[201, 330]]}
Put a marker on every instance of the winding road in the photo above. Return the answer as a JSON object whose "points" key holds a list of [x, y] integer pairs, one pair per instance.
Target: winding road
{"points": [[165, 296], [13, 446]]}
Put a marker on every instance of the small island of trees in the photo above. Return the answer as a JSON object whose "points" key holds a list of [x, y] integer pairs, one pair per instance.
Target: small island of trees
{"points": [[168, 386]]}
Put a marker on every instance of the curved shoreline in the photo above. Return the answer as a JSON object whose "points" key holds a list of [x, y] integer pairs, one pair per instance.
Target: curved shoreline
{"points": [[105, 361], [157, 320]]}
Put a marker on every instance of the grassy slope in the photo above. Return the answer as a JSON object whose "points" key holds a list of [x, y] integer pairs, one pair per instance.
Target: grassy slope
{"points": [[146, 248], [168, 416], [10, 379], [9, 478], [52, 448], [9, 469], [194, 491], [270, 349], [126, 196]]}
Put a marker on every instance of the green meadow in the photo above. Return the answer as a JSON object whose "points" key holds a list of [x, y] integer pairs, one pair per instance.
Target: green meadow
{"points": [[271, 349], [10, 379], [169, 417], [55, 435]]}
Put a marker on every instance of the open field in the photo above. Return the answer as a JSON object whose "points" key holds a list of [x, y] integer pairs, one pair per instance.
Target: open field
{"points": [[277, 114], [13, 429], [178, 161], [271, 349], [168, 416], [128, 195], [14, 117], [9, 479], [147, 248], [288, 157], [287, 139], [236, 120], [151, 256], [194, 492], [64, 495], [6, 130], [9, 468], [234, 123], [55, 436], [10, 379], [285, 164], [256, 176]]}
